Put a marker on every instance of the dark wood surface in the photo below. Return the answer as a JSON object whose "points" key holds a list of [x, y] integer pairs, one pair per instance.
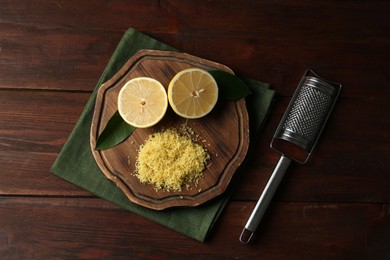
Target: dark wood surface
{"points": [[336, 206]]}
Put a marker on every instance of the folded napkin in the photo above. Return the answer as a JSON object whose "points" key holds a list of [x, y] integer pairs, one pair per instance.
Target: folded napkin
{"points": [[76, 164]]}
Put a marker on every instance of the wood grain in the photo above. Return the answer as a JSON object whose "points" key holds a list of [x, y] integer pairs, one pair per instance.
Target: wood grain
{"points": [[92, 228], [52, 54], [227, 149], [68, 46]]}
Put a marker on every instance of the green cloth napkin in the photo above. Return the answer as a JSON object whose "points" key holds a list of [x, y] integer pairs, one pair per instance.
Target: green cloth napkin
{"points": [[76, 164]]}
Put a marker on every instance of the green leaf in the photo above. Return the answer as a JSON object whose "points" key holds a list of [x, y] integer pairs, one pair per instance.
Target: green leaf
{"points": [[230, 86], [115, 132]]}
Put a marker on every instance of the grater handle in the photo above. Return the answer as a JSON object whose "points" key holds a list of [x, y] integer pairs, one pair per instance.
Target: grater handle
{"points": [[264, 200]]}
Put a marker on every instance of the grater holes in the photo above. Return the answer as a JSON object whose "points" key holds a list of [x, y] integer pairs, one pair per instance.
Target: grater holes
{"points": [[308, 112]]}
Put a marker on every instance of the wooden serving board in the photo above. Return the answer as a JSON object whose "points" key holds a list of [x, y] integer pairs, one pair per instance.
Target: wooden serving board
{"points": [[224, 132]]}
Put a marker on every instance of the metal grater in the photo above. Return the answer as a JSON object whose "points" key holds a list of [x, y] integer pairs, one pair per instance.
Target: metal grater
{"points": [[296, 136]]}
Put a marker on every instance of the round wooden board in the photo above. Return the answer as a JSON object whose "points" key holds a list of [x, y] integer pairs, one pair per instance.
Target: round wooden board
{"points": [[224, 132]]}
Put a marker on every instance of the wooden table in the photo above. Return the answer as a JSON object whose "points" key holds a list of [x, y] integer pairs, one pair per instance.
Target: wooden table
{"points": [[336, 206]]}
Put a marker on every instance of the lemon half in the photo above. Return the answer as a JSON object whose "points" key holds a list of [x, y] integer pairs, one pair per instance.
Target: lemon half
{"points": [[192, 93], [142, 102]]}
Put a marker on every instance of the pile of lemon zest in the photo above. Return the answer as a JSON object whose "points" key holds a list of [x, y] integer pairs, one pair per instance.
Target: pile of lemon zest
{"points": [[171, 160]]}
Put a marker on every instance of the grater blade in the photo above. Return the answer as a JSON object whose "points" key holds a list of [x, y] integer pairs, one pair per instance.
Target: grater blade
{"points": [[305, 117]]}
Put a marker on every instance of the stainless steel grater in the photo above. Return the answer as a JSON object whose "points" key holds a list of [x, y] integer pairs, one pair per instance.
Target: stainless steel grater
{"points": [[296, 136]]}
